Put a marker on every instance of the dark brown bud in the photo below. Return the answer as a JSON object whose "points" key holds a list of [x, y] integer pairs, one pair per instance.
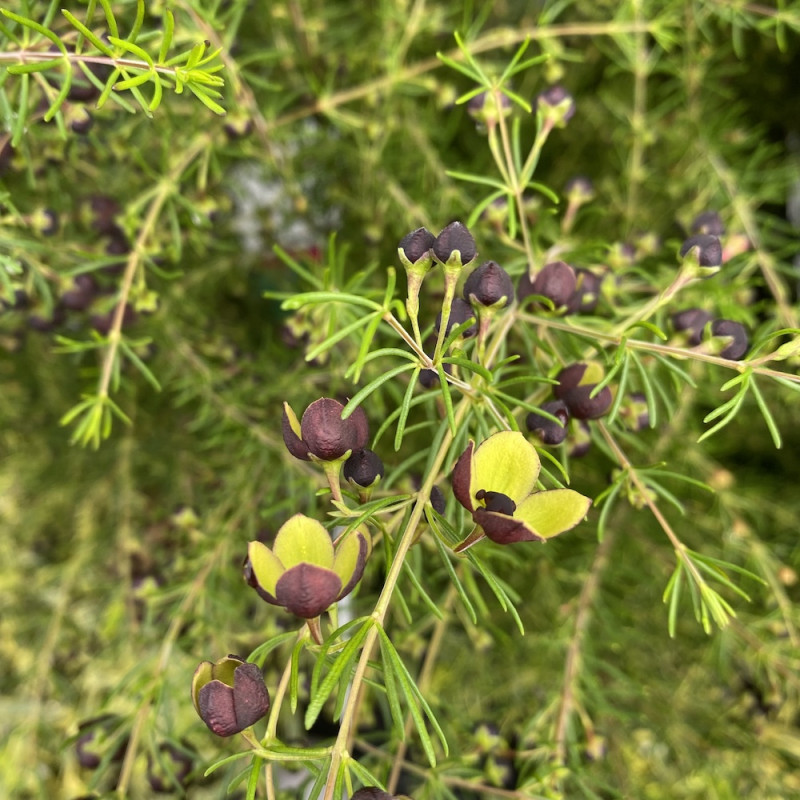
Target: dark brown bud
{"points": [[326, 435], [454, 238], [363, 468], [437, 500], [417, 244], [80, 295], [586, 296], [460, 312], [709, 250], [550, 431], [557, 103], [489, 285], [579, 189], [568, 378], [692, 320], [555, 281], [736, 332], [709, 222]]}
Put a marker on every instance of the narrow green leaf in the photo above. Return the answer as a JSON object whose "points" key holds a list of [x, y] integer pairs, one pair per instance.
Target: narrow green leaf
{"points": [[35, 26], [337, 337], [344, 661], [448, 400], [84, 31], [454, 579], [203, 97], [38, 66], [166, 38], [316, 298], [404, 408], [364, 393], [130, 47], [767, 414]]}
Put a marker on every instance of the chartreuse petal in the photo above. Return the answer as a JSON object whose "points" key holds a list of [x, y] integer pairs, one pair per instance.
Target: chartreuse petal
{"points": [[202, 675], [294, 423], [506, 462], [302, 540], [267, 567], [552, 512], [348, 556]]}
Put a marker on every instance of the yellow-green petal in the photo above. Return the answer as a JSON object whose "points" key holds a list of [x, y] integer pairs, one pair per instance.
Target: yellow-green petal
{"points": [[553, 512], [506, 462], [267, 567], [302, 540], [202, 675], [351, 553]]}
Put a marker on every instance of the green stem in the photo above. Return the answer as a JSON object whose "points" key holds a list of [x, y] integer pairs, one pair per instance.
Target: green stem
{"points": [[346, 725]]}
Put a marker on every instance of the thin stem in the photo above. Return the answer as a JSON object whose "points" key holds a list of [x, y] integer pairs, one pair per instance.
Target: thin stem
{"points": [[167, 186], [347, 721]]}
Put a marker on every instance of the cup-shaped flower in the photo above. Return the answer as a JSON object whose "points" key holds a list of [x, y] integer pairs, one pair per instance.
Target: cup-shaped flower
{"points": [[229, 695], [495, 482], [304, 572], [322, 433]]}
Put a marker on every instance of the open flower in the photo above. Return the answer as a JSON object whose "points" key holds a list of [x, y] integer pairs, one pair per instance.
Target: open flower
{"points": [[495, 482], [229, 695], [304, 572]]}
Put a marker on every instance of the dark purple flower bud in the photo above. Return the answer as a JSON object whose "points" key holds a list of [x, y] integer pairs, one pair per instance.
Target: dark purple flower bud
{"points": [[96, 737], [692, 320], [455, 238], [555, 281], [709, 250], [430, 377], [569, 378], [437, 500], [737, 334], [550, 431], [586, 296], [635, 412], [322, 432], [104, 209], [489, 107], [364, 468], [489, 285], [417, 244], [80, 295], [556, 103], [49, 222], [229, 695], [460, 312], [579, 189], [81, 122], [40, 324], [709, 223], [575, 386]]}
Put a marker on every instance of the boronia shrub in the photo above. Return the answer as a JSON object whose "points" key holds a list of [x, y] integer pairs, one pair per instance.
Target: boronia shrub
{"points": [[399, 401]]}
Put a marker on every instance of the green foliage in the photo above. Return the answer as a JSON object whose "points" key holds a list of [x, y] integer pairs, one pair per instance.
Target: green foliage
{"points": [[185, 267]]}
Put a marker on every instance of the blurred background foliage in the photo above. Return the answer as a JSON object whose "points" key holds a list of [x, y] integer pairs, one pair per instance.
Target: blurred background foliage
{"points": [[121, 565]]}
